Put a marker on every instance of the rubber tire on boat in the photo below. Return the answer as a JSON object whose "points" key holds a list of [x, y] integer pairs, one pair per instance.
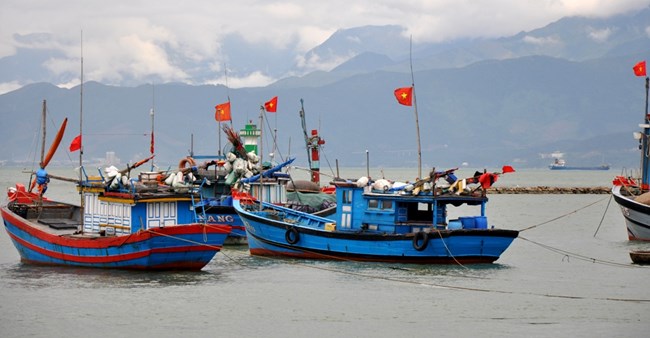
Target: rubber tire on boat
{"points": [[292, 236], [420, 240]]}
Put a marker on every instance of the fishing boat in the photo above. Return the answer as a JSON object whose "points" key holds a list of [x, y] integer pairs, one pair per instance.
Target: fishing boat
{"points": [[632, 193], [383, 221], [242, 168], [120, 223]]}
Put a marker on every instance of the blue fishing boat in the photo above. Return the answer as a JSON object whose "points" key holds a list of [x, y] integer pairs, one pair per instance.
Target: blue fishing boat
{"points": [[383, 222], [241, 169], [120, 223]]}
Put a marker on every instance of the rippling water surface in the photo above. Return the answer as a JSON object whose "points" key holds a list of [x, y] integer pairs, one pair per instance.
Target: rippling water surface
{"points": [[568, 275]]}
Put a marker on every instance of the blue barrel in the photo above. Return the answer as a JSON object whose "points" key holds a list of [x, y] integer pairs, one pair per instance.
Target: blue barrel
{"points": [[468, 222], [481, 222]]}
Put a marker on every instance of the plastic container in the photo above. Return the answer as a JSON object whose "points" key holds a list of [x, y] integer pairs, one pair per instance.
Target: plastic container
{"points": [[480, 222], [468, 222], [454, 225]]}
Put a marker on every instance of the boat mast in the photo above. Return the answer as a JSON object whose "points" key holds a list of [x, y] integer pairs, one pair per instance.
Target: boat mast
{"points": [[645, 166], [151, 112], [415, 109], [312, 144], [43, 127], [261, 191], [81, 148]]}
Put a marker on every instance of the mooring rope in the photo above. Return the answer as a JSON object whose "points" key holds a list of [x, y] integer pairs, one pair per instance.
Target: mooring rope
{"points": [[604, 213], [218, 248], [561, 216], [582, 257], [449, 251], [447, 286]]}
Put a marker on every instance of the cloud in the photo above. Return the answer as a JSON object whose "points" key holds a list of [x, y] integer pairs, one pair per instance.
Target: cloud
{"points": [[169, 41], [9, 86], [600, 35], [541, 41]]}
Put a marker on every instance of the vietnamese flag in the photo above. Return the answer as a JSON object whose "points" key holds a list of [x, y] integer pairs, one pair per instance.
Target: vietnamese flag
{"points": [[76, 143], [404, 95], [507, 169], [639, 69], [222, 112], [272, 105]]}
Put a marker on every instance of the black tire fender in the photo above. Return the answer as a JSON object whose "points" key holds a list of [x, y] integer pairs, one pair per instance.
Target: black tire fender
{"points": [[292, 236], [420, 240]]}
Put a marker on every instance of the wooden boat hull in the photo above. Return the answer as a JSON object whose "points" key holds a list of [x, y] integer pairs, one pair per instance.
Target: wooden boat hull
{"points": [[636, 215], [640, 257], [269, 237], [178, 247]]}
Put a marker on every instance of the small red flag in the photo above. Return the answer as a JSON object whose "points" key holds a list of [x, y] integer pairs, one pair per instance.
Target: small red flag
{"points": [[507, 169], [487, 180], [639, 69], [222, 112], [404, 95], [76, 143], [272, 105]]}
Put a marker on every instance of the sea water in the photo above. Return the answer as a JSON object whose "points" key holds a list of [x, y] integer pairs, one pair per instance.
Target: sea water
{"points": [[568, 274]]}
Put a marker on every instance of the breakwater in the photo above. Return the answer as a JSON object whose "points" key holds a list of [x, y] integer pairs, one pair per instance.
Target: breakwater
{"points": [[549, 190]]}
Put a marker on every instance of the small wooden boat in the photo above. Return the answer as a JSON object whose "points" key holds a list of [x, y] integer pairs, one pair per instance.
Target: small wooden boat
{"points": [[640, 257]]}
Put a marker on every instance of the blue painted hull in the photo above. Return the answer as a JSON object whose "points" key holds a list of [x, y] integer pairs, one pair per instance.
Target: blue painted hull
{"points": [[276, 238], [227, 215], [180, 247]]}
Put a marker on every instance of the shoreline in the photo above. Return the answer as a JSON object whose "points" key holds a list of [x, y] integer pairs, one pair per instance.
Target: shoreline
{"points": [[550, 190]]}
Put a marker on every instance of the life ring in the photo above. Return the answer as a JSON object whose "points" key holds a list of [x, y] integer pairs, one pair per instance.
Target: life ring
{"points": [[292, 236], [420, 240], [185, 161]]}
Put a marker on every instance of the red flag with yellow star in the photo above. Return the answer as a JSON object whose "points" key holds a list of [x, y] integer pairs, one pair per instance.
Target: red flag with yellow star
{"points": [[404, 95], [222, 112], [272, 105], [639, 69]]}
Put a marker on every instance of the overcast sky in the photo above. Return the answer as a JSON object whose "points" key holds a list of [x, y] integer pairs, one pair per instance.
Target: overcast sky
{"points": [[119, 35]]}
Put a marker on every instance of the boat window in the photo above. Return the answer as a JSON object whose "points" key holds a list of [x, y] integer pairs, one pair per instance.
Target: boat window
{"points": [[347, 197], [373, 204], [423, 207], [387, 205]]}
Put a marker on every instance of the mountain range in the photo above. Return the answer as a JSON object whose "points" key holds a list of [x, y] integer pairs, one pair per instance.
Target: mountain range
{"points": [[565, 87]]}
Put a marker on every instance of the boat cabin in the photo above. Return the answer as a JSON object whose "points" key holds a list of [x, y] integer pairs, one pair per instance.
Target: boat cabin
{"points": [[123, 211], [362, 208]]}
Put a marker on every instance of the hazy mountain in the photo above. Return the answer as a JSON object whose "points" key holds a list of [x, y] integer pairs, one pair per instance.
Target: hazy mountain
{"points": [[567, 86]]}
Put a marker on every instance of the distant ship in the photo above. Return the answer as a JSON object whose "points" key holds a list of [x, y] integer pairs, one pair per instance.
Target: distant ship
{"points": [[560, 164]]}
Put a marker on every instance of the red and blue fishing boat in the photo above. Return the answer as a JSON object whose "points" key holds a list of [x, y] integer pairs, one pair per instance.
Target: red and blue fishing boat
{"points": [[382, 221], [120, 223]]}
